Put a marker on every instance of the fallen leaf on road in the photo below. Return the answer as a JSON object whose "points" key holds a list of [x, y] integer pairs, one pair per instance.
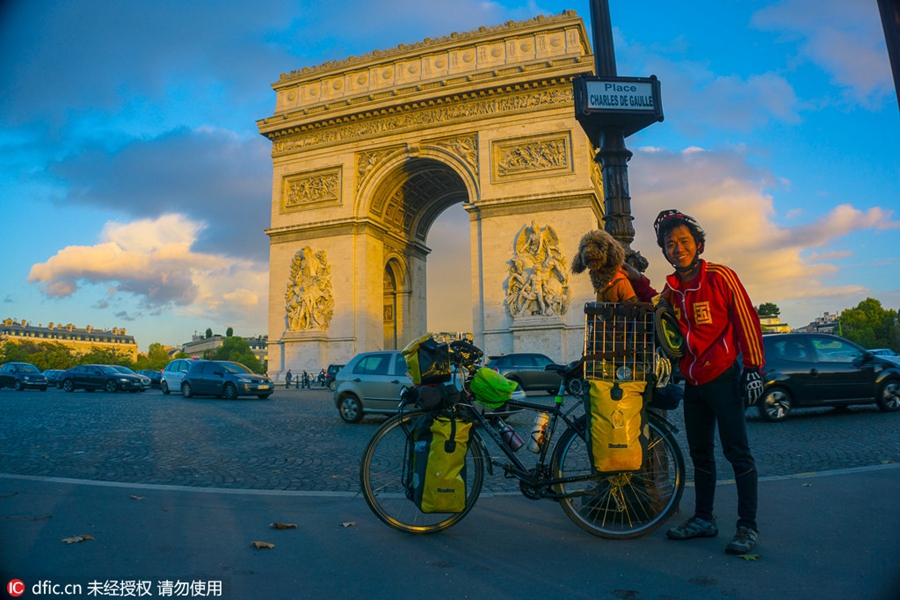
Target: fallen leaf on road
{"points": [[77, 538], [807, 485], [133, 497], [261, 545], [349, 524], [283, 525], [751, 556]]}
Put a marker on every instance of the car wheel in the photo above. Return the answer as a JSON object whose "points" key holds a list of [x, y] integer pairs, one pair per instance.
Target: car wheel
{"points": [[575, 387], [18, 386], [186, 390], [889, 396], [775, 405], [230, 391], [332, 385], [44, 389], [111, 386], [350, 409], [68, 386], [164, 387]]}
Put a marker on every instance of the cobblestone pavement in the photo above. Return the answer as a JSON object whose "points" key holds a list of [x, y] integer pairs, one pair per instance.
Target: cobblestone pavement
{"points": [[296, 441]]}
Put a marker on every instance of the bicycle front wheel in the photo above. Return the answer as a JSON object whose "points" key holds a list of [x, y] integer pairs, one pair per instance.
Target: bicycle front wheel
{"points": [[381, 479], [621, 505]]}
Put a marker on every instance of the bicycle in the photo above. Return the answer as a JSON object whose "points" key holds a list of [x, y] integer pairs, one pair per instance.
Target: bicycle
{"points": [[616, 506]]}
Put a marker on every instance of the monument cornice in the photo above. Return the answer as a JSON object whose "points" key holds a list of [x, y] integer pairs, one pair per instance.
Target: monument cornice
{"points": [[529, 204], [464, 107]]}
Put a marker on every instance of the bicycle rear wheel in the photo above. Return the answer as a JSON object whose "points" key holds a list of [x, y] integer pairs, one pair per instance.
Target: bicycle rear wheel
{"points": [[381, 479], [623, 505]]}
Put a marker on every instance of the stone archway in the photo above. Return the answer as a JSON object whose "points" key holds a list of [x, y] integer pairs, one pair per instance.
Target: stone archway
{"points": [[369, 151]]}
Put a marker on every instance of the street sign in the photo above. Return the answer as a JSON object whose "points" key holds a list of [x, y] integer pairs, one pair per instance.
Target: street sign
{"points": [[626, 103]]}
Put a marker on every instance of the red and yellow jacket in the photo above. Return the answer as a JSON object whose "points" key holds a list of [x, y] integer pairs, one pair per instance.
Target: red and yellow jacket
{"points": [[717, 320]]}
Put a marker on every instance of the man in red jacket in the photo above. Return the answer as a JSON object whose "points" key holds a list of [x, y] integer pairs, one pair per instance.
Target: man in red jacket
{"points": [[719, 324]]}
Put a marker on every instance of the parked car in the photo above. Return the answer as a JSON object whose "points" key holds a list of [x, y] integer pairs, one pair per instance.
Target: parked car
{"points": [[372, 382], [817, 369], [527, 369], [154, 375], [887, 354], [99, 377], [173, 374], [224, 378], [330, 374], [53, 377], [21, 376], [145, 381]]}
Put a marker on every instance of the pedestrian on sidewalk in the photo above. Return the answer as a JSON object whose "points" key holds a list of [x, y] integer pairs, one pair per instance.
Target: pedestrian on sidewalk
{"points": [[719, 324], [287, 378]]}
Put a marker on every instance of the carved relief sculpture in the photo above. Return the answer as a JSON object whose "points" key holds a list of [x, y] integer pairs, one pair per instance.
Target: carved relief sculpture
{"points": [[312, 188], [538, 284], [308, 301]]}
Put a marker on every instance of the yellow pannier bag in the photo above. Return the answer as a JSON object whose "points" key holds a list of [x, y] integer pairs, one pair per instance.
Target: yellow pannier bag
{"points": [[616, 437], [438, 464], [428, 360]]}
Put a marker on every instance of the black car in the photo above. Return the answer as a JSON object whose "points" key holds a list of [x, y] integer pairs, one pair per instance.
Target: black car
{"points": [[330, 374], [817, 369], [224, 378], [100, 377], [154, 375], [22, 376], [54, 377], [527, 369]]}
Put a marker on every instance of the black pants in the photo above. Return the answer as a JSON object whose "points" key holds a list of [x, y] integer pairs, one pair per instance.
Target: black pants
{"points": [[719, 403]]}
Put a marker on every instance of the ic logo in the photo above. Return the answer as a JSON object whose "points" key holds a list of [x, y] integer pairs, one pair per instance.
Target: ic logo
{"points": [[15, 588]]}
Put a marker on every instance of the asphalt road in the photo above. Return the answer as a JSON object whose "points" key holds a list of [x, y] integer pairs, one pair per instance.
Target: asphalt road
{"points": [[175, 490], [295, 440]]}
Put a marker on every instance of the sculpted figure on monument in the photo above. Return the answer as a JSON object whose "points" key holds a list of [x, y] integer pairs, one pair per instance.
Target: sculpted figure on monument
{"points": [[537, 284], [308, 301]]}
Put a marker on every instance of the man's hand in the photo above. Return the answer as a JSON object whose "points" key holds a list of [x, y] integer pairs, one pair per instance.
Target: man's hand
{"points": [[752, 385]]}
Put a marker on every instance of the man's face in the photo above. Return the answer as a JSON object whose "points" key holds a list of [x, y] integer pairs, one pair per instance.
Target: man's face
{"points": [[680, 247]]}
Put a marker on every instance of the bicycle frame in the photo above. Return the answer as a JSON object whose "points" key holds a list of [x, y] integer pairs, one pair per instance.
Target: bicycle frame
{"points": [[533, 477]]}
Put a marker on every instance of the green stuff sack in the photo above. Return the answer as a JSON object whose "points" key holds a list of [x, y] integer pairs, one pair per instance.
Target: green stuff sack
{"points": [[428, 360], [437, 469], [616, 438], [491, 388]]}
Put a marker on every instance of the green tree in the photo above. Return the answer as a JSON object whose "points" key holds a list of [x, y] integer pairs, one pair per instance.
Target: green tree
{"points": [[43, 355], [209, 333], [236, 349], [768, 309], [871, 326], [156, 358], [106, 356], [229, 332]]}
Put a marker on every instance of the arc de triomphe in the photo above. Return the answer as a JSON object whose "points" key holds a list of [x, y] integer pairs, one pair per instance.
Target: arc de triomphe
{"points": [[367, 153]]}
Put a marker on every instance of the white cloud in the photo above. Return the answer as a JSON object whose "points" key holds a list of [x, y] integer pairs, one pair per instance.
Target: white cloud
{"points": [[845, 39], [152, 260], [729, 199]]}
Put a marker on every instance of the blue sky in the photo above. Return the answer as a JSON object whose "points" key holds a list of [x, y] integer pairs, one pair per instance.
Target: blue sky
{"points": [[136, 188]]}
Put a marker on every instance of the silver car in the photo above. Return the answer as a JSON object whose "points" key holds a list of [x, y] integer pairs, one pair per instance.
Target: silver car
{"points": [[173, 374], [370, 384]]}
